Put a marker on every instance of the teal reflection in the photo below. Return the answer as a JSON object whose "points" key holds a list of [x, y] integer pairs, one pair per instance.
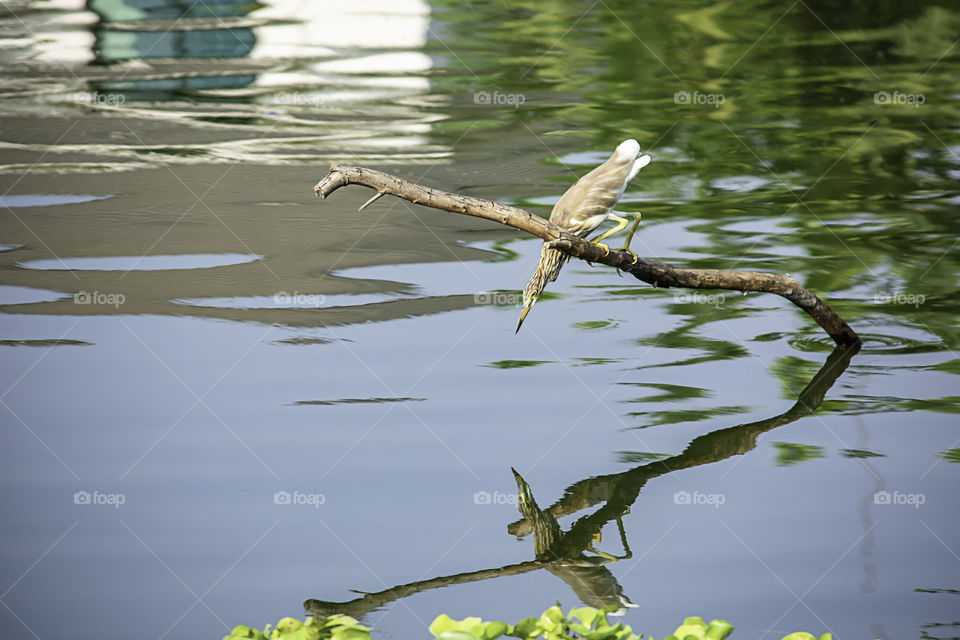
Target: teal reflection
{"points": [[179, 30]]}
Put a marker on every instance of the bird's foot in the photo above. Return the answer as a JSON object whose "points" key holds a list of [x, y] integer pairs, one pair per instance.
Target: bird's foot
{"points": [[630, 251], [606, 249]]}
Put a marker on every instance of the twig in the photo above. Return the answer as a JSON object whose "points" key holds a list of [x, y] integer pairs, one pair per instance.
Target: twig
{"points": [[657, 274], [376, 196]]}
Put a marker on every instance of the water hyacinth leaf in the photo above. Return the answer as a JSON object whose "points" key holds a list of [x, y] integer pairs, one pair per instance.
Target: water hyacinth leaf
{"points": [[284, 627], [243, 631], [587, 615], [526, 628], [694, 626], [718, 630], [457, 634], [552, 618], [583, 623], [605, 634], [491, 630], [348, 633], [444, 623]]}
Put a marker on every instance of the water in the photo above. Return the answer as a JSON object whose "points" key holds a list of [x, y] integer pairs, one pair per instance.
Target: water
{"points": [[190, 338]]}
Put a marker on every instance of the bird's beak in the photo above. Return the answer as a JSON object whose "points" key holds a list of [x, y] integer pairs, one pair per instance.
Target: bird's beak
{"points": [[523, 314]]}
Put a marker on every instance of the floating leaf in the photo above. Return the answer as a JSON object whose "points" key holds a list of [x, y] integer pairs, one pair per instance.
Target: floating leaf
{"points": [[347, 633], [694, 626], [718, 630], [444, 623], [526, 628], [587, 615], [457, 634]]}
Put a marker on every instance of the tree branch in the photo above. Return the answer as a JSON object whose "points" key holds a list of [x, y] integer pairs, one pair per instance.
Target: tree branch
{"points": [[654, 273]]}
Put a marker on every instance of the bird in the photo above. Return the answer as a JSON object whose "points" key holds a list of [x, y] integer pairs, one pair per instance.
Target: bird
{"points": [[582, 209]]}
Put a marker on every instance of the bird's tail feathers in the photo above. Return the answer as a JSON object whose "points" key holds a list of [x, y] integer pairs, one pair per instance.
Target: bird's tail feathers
{"points": [[551, 262]]}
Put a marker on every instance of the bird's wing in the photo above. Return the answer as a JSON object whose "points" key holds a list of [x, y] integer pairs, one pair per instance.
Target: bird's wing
{"points": [[595, 194]]}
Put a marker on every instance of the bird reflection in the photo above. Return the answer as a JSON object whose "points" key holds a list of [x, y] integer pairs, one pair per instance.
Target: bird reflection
{"points": [[566, 554], [590, 580]]}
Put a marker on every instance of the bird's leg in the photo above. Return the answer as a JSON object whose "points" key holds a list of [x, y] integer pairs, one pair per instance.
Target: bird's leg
{"points": [[626, 244], [623, 536], [621, 225], [609, 557], [633, 230], [597, 538]]}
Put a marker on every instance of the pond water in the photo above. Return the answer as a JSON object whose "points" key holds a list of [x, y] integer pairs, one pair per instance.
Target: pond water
{"points": [[224, 400]]}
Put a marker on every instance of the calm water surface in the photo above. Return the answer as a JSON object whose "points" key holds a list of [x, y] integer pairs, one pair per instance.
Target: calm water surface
{"points": [[222, 397]]}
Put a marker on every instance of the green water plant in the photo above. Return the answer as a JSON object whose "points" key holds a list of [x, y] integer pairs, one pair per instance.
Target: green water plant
{"points": [[335, 627], [583, 623]]}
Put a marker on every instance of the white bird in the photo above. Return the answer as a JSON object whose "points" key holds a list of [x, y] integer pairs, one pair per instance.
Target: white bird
{"points": [[583, 208]]}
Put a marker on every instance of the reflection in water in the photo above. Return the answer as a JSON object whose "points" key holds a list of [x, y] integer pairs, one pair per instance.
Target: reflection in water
{"points": [[141, 263], [563, 553], [868, 583], [391, 84], [170, 29], [590, 580], [307, 83]]}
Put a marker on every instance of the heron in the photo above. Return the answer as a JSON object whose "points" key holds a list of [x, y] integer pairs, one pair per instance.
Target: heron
{"points": [[582, 209]]}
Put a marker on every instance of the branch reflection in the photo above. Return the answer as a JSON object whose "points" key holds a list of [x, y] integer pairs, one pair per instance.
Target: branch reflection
{"points": [[571, 555]]}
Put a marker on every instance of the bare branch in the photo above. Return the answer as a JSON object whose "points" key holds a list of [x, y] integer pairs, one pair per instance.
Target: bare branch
{"points": [[657, 274]]}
